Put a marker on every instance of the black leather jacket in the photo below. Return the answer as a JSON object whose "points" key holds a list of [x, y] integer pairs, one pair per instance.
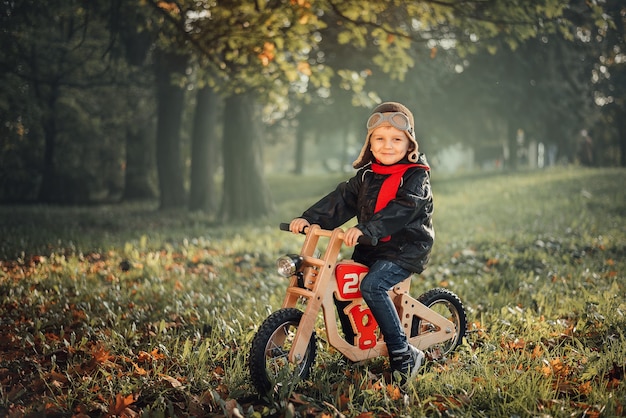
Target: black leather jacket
{"points": [[407, 218]]}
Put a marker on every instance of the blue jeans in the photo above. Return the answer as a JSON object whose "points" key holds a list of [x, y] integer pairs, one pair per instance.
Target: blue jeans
{"points": [[382, 276]]}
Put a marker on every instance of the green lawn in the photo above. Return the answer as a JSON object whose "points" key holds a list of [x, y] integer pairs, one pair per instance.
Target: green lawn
{"points": [[122, 310]]}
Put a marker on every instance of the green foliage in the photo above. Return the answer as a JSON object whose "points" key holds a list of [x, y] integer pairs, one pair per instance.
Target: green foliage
{"points": [[61, 82], [245, 45], [254, 45], [122, 311], [65, 117]]}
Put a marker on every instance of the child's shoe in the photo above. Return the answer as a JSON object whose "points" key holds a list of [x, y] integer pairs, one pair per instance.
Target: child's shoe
{"points": [[404, 365]]}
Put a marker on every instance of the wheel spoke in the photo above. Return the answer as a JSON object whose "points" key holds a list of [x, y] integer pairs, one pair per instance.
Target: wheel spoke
{"points": [[269, 356], [446, 304]]}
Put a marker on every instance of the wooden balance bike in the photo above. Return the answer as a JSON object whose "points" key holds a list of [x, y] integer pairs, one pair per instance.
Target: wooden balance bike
{"points": [[284, 347]]}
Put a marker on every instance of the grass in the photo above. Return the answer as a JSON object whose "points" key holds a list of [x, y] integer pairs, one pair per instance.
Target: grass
{"points": [[125, 311]]}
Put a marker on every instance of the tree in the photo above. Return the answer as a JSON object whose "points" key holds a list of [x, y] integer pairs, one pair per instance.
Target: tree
{"points": [[271, 49], [498, 94], [140, 153], [58, 53], [170, 104], [127, 25], [317, 52], [384, 41], [245, 47], [244, 191], [204, 151], [607, 34]]}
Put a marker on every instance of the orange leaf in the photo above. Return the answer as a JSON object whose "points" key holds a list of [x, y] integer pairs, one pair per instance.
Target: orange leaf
{"points": [[222, 390], [268, 54], [394, 392], [344, 400], [100, 354], [304, 68], [156, 355], [304, 19], [377, 386], [301, 3], [517, 344], [219, 371], [492, 262], [140, 370], [121, 403], [170, 7], [585, 388], [613, 383], [144, 357]]}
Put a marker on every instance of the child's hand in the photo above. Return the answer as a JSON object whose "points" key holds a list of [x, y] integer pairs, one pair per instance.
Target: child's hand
{"points": [[297, 225], [351, 236]]}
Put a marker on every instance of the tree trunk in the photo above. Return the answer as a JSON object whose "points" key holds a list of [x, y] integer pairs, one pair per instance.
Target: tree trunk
{"points": [[246, 195], [621, 133], [204, 157], [300, 148], [139, 164], [170, 101], [47, 188], [511, 163]]}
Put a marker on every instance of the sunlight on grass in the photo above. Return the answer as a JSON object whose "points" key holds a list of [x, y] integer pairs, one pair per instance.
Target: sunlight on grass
{"points": [[122, 309]]}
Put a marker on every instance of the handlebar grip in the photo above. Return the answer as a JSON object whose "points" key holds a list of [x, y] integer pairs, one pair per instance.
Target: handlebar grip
{"points": [[363, 239], [284, 226]]}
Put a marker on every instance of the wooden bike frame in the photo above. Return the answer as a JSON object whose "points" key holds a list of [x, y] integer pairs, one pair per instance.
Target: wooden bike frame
{"points": [[320, 285]]}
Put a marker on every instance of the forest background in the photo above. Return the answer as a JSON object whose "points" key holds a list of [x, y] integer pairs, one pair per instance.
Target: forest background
{"points": [[191, 103], [148, 149]]}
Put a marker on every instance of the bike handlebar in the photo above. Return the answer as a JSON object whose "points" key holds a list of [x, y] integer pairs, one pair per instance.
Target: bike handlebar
{"points": [[363, 239]]}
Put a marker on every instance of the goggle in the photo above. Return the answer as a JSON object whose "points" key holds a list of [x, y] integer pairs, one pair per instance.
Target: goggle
{"points": [[396, 119]]}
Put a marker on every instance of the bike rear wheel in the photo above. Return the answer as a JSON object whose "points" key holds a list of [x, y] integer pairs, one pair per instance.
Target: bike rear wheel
{"points": [[268, 362], [448, 305]]}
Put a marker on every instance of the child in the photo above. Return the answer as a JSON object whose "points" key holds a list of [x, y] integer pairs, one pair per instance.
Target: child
{"points": [[391, 198]]}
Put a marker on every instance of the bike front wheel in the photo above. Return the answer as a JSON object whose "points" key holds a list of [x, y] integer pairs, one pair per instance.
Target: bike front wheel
{"points": [[268, 362], [448, 305]]}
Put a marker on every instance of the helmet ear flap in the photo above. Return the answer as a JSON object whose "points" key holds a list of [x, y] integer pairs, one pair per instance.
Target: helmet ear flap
{"points": [[413, 152]]}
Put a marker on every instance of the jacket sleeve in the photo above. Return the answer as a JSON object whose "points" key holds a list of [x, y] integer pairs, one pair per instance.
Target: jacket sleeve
{"points": [[337, 207], [412, 205]]}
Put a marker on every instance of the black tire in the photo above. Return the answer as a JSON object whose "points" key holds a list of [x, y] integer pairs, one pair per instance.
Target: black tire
{"points": [[268, 356], [447, 304]]}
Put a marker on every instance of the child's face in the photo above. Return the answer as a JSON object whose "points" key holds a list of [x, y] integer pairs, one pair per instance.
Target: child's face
{"points": [[388, 144]]}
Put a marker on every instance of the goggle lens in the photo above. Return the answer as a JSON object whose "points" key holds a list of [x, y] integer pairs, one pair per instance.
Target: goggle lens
{"points": [[396, 119]]}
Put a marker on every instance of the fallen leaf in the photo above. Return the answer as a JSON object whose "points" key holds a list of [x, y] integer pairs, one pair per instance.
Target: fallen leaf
{"points": [[121, 402], [172, 381]]}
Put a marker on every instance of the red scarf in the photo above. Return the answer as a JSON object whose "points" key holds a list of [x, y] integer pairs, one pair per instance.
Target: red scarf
{"points": [[390, 186]]}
